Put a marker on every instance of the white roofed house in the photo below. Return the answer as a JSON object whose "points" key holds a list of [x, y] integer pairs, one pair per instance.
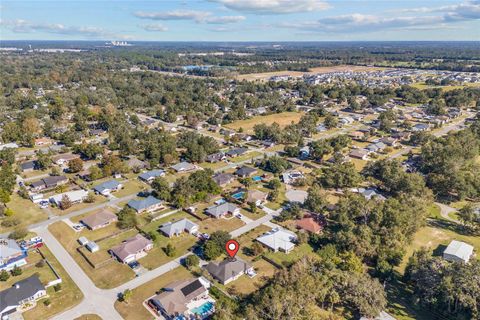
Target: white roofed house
{"points": [[184, 167], [176, 228], [222, 210], [458, 251], [76, 196], [278, 240], [11, 255]]}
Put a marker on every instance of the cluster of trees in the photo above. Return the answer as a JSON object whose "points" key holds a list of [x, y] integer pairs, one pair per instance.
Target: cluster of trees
{"points": [[314, 286], [187, 190], [197, 146], [450, 165], [449, 289]]}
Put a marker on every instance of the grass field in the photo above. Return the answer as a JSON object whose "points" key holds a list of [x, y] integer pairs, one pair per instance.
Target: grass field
{"points": [[283, 119], [134, 309], [105, 277], [287, 259], [64, 299], [25, 211]]}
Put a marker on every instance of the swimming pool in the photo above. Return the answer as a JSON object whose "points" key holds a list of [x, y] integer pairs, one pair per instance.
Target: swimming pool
{"points": [[257, 178], [238, 195], [204, 308]]}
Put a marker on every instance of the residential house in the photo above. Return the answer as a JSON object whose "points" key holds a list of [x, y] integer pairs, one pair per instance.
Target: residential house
{"points": [[312, 223], [132, 249], [222, 210], [99, 219], [181, 300], [222, 179], [458, 251], [420, 127], [148, 204], [76, 196], [256, 196], [23, 292], [233, 153], [48, 183], [43, 141], [176, 228], [290, 177], [229, 270], [11, 255], [184, 167], [389, 141], [371, 193], [149, 176], [11, 145], [108, 187], [245, 172], [215, 157], [376, 147], [29, 166], [135, 164], [359, 154], [304, 153], [278, 240], [357, 135], [64, 159]]}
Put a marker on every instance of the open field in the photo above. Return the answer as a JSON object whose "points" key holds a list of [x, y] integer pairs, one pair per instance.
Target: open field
{"points": [[287, 259], [109, 276], [134, 309], [283, 119], [265, 76], [245, 285], [66, 298], [25, 211]]}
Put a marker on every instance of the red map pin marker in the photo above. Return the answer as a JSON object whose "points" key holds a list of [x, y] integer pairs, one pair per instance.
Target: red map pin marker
{"points": [[232, 247]]}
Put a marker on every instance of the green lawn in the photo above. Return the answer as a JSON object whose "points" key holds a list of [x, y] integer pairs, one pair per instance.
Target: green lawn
{"points": [[130, 187], [109, 276], [134, 309], [66, 298], [287, 259], [247, 156], [25, 212]]}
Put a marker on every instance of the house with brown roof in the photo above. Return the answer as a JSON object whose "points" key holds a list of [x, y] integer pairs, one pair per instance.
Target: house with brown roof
{"points": [[311, 223], [184, 299], [99, 219], [256, 196], [132, 249]]}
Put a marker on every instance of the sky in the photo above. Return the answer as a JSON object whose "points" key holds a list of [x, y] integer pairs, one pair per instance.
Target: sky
{"points": [[240, 20]]}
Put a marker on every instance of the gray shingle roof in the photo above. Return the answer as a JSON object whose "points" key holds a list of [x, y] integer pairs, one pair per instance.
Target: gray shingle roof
{"points": [[21, 290], [177, 227], [107, 185], [143, 204]]}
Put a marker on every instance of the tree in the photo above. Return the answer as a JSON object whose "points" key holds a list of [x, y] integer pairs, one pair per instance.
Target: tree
{"points": [[65, 202], [90, 198], [127, 218], [126, 295], [75, 165], [16, 271], [275, 164], [340, 175], [18, 234], [330, 121], [170, 250], [192, 261], [161, 188], [274, 184], [316, 199], [469, 218], [253, 207], [215, 246], [47, 302], [4, 275], [257, 248]]}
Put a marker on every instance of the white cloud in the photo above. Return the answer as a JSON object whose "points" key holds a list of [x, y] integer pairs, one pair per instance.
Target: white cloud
{"points": [[274, 6], [24, 26], [437, 17], [194, 15], [156, 27], [174, 15]]}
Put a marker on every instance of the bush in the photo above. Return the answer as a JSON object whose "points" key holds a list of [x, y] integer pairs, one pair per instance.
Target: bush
{"points": [[16, 271], [57, 287], [192, 261], [170, 250], [9, 212], [47, 302], [4, 275], [40, 264], [18, 234], [11, 222]]}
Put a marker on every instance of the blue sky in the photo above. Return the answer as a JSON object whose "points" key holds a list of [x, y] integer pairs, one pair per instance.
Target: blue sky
{"points": [[240, 20]]}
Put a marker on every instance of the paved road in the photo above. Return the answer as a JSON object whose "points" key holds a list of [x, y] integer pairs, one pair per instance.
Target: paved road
{"points": [[445, 210], [46, 223]]}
